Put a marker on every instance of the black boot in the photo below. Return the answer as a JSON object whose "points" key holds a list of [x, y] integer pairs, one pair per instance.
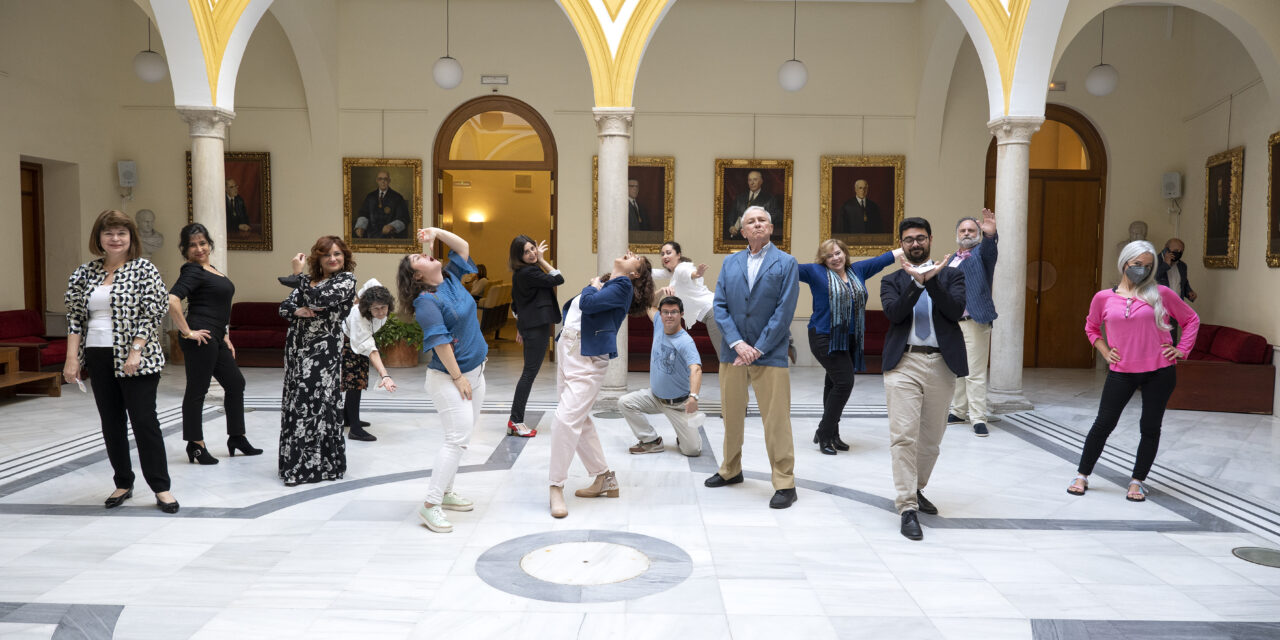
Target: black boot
{"points": [[196, 452], [241, 443]]}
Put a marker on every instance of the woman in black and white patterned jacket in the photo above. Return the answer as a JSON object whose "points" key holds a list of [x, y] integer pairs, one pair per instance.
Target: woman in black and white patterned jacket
{"points": [[115, 305]]}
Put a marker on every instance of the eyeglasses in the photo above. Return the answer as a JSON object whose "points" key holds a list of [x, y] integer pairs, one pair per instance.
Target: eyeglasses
{"points": [[1128, 307], [910, 240], [670, 313]]}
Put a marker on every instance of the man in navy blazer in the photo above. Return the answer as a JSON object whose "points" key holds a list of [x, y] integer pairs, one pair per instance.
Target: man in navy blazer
{"points": [[977, 259], [755, 300], [923, 354]]}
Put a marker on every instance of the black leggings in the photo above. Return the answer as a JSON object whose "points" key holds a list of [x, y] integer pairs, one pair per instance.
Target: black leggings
{"points": [[122, 402], [1156, 388], [837, 385], [204, 361], [536, 340]]}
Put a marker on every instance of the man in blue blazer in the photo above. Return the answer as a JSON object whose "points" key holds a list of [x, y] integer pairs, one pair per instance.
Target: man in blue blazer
{"points": [[755, 300], [923, 355], [977, 259]]}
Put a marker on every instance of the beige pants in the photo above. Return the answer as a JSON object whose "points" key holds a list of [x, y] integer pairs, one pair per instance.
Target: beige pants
{"points": [[970, 399], [773, 393], [578, 380], [916, 393], [638, 404]]}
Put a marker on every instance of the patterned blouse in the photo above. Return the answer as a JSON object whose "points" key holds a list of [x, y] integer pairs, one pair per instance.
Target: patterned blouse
{"points": [[139, 302]]}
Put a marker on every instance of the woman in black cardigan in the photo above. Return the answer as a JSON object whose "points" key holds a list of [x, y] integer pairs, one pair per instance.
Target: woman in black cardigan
{"points": [[533, 300]]}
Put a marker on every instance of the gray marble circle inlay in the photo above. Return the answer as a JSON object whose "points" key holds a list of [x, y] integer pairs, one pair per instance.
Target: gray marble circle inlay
{"points": [[550, 566], [1258, 555]]}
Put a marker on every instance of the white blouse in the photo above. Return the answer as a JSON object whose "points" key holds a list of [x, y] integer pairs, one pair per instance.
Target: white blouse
{"points": [[360, 331], [697, 299], [99, 317]]}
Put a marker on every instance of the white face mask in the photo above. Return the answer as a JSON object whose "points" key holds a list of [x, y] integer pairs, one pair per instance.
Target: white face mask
{"points": [[377, 323]]}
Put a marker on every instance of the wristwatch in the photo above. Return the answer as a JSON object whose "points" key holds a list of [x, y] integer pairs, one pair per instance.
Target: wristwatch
{"points": [[133, 346], [693, 395]]}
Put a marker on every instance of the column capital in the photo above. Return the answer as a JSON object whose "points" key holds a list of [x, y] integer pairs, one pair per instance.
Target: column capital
{"points": [[207, 122], [1015, 129], [614, 121]]}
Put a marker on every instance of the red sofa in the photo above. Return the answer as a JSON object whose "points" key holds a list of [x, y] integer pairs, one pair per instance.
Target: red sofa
{"points": [[258, 332], [24, 329], [1227, 370]]}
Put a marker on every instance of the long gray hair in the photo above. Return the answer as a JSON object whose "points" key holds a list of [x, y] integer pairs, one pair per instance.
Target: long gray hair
{"points": [[1146, 290]]}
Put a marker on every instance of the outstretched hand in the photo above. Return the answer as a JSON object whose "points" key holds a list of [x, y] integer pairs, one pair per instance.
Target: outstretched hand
{"points": [[542, 248], [988, 223], [427, 236]]}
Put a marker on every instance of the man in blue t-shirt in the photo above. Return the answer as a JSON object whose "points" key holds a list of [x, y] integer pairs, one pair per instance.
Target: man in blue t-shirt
{"points": [[675, 376]]}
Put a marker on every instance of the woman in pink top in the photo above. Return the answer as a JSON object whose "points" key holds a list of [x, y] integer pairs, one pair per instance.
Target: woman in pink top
{"points": [[1135, 318]]}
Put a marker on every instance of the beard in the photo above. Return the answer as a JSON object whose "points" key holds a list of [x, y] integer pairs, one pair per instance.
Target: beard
{"points": [[967, 243], [917, 254]]}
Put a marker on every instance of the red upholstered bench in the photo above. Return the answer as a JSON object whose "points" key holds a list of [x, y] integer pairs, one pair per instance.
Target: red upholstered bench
{"points": [[258, 333], [1227, 370], [24, 329], [640, 341]]}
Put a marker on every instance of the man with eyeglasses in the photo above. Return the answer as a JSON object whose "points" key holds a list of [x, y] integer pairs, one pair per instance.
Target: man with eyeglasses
{"points": [[384, 212], [924, 353], [675, 377]]}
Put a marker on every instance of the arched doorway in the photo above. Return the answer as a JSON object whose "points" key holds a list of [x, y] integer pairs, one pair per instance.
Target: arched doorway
{"points": [[495, 171], [1065, 205]]}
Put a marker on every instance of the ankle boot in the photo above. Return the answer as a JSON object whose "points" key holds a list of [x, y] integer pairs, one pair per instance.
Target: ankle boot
{"points": [[558, 508], [606, 484], [197, 453], [241, 443]]}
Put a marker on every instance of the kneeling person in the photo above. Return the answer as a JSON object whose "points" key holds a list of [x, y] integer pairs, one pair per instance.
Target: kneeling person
{"points": [[675, 376]]}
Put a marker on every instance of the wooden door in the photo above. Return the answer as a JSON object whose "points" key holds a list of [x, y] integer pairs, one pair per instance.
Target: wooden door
{"points": [[33, 236], [1067, 272]]}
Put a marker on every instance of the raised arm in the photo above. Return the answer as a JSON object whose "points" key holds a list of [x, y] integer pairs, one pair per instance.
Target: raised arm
{"points": [[450, 239]]}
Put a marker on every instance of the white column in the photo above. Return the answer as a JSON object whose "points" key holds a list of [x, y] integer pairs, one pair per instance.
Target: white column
{"points": [[613, 126], [208, 174], [1013, 152]]}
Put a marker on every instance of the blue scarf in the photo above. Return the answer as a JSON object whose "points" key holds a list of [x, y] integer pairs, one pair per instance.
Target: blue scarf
{"points": [[847, 302]]}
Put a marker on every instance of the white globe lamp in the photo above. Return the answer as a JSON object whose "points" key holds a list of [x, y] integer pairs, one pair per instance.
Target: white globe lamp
{"points": [[1102, 80], [447, 72], [793, 75]]}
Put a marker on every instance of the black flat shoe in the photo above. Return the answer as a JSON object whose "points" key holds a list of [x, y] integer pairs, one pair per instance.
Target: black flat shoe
{"points": [[925, 505], [839, 444], [360, 434], [291, 281], [241, 443], [716, 481], [197, 453], [827, 448], [112, 503], [363, 424], [782, 498], [911, 526], [167, 507]]}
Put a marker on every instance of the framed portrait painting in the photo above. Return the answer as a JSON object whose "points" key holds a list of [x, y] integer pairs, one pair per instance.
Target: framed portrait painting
{"points": [[381, 204], [650, 202], [862, 201], [1224, 177], [248, 199], [1273, 199], [741, 184]]}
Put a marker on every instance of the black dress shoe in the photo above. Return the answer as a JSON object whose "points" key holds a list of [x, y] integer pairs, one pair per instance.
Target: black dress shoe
{"points": [[839, 444], [360, 434], [782, 498], [955, 419], [112, 503], [925, 505], [716, 481], [292, 281], [241, 443], [827, 447], [167, 507], [911, 526], [197, 453]]}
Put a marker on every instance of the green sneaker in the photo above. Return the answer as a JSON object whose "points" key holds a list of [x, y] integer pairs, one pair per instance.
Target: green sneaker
{"points": [[455, 502], [434, 518]]}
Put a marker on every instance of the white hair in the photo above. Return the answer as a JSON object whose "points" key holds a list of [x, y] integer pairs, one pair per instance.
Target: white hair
{"points": [[756, 208], [1146, 290]]}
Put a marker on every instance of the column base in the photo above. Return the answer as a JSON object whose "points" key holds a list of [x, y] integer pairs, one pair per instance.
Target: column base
{"points": [[606, 405], [1007, 401]]}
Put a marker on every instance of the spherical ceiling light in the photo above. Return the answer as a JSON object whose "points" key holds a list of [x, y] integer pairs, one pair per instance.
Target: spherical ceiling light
{"points": [[1102, 80], [447, 72], [792, 75], [150, 66]]}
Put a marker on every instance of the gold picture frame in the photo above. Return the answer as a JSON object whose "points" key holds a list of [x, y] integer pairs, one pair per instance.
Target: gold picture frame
{"points": [[1273, 182], [866, 223], [647, 171], [1223, 179], [732, 182], [249, 210], [359, 202]]}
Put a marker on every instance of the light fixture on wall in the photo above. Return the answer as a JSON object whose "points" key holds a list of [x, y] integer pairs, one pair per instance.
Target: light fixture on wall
{"points": [[447, 71], [792, 74], [1102, 79], [149, 65]]}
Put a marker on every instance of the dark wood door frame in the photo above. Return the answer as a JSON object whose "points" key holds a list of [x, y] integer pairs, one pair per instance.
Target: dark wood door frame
{"points": [[465, 111], [33, 236]]}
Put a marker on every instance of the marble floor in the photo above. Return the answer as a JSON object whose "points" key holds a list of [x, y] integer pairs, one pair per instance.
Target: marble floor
{"points": [[1011, 554]]}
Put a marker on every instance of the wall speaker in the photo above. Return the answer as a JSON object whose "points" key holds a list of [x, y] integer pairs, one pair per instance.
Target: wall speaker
{"points": [[128, 172], [1171, 185]]}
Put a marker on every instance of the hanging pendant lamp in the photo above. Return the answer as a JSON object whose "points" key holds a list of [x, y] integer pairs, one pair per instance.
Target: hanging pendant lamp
{"points": [[149, 65], [793, 75], [1102, 78], [447, 71]]}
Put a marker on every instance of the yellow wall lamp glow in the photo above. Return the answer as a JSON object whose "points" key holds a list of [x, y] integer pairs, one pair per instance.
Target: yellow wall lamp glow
{"points": [[476, 218]]}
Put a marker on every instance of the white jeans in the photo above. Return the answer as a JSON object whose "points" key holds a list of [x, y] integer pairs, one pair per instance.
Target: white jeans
{"points": [[578, 380], [458, 416]]}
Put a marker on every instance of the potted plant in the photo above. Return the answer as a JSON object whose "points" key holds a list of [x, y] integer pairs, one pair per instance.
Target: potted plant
{"points": [[399, 342]]}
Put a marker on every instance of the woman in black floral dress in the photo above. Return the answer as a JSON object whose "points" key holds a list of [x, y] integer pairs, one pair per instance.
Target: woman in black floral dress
{"points": [[311, 444]]}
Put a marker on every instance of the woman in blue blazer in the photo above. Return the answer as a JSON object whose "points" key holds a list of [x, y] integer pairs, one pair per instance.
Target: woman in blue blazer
{"points": [[588, 340]]}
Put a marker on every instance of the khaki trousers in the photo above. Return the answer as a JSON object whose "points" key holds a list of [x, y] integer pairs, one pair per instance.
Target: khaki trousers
{"points": [[916, 393], [970, 399], [773, 393], [578, 380], [638, 404]]}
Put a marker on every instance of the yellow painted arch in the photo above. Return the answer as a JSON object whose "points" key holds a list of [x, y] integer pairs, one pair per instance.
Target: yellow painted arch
{"points": [[1004, 30], [613, 77], [215, 20]]}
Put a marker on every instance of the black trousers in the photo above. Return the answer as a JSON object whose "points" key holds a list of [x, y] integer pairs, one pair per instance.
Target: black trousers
{"points": [[1156, 388], [836, 386], [122, 401], [536, 340], [204, 361], [351, 407]]}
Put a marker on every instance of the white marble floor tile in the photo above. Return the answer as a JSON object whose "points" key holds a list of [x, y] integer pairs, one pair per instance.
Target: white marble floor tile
{"points": [[960, 600], [776, 597], [772, 627]]}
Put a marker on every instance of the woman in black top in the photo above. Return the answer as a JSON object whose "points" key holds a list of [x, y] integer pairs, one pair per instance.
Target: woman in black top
{"points": [[533, 300], [206, 347]]}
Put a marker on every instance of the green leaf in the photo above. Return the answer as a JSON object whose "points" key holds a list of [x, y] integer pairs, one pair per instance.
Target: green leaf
{"points": [[396, 330]]}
